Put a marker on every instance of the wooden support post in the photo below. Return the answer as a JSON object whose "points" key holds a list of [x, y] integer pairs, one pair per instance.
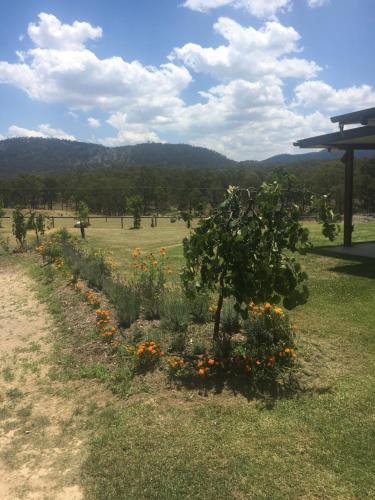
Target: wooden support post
{"points": [[348, 202], [122, 222], [53, 222]]}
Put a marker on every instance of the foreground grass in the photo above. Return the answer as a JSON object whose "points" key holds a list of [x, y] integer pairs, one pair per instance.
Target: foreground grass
{"points": [[167, 443], [318, 444]]}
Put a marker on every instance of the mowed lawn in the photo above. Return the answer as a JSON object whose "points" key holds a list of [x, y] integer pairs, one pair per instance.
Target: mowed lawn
{"points": [[317, 444], [162, 442]]}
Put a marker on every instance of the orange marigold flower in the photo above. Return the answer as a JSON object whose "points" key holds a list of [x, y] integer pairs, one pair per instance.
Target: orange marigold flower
{"points": [[211, 361], [163, 251], [201, 371]]}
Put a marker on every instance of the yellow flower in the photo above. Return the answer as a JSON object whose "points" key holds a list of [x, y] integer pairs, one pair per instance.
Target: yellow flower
{"points": [[155, 263], [279, 311]]}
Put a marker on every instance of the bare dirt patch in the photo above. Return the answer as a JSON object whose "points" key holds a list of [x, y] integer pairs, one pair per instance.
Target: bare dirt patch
{"points": [[42, 422]]}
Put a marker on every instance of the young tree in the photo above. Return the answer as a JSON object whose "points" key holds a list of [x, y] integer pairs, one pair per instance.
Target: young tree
{"points": [[19, 226], [135, 205], [243, 250], [2, 211], [37, 222], [83, 213]]}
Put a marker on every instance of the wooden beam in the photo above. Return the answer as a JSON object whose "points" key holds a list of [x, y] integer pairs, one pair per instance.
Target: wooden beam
{"points": [[348, 202]]}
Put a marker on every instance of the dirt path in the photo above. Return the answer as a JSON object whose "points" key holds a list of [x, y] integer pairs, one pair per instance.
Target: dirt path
{"points": [[41, 420]]}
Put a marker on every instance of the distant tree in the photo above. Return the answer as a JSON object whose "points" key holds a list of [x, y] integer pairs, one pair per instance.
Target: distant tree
{"points": [[135, 205], [19, 226], [83, 213]]}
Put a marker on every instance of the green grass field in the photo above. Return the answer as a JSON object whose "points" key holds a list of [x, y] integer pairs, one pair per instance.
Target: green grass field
{"points": [[167, 443], [317, 445]]}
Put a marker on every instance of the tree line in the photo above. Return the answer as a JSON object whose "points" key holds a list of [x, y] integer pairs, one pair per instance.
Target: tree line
{"points": [[111, 190]]}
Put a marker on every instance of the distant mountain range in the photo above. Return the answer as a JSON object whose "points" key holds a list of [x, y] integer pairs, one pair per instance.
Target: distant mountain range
{"points": [[315, 156], [26, 155]]}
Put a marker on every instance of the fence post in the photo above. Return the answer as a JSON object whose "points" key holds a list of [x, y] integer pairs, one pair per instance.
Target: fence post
{"points": [[122, 222], [53, 222]]}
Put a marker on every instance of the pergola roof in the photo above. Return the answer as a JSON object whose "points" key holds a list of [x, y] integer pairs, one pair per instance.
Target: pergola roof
{"points": [[355, 138], [364, 117]]}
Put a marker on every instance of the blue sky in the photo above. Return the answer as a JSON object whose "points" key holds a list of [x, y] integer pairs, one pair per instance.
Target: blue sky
{"points": [[243, 77]]}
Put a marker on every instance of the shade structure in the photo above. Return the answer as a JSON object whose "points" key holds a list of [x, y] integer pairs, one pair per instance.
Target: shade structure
{"points": [[355, 138], [362, 137]]}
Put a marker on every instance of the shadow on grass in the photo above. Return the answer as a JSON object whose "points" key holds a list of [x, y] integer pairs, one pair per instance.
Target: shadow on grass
{"points": [[363, 267], [267, 394]]}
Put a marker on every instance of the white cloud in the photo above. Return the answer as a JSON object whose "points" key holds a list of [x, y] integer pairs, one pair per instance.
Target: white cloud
{"points": [[250, 53], [61, 69], [44, 130], [93, 122], [317, 94], [244, 115], [50, 33], [1, 137], [317, 3], [258, 8], [129, 133]]}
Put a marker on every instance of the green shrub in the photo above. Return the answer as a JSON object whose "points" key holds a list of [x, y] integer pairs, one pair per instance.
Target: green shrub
{"points": [[125, 299], [151, 308], [230, 320], [198, 307], [178, 343], [92, 267], [269, 349], [175, 313]]}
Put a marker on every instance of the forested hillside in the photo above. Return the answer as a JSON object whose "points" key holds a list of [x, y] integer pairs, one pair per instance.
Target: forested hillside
{"points": [[26, 155]]}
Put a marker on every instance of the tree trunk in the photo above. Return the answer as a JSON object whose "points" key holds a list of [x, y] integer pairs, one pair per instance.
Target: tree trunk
{"points": [[217, 317]]}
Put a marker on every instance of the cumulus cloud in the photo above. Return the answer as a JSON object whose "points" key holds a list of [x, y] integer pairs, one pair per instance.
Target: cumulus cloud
{"points": [[1, 137], [44, 130], [315, 94], [258, 8], [249, 53], [93, 122], [50, 33], [129, 133], [61, 69], [244, 114]]}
